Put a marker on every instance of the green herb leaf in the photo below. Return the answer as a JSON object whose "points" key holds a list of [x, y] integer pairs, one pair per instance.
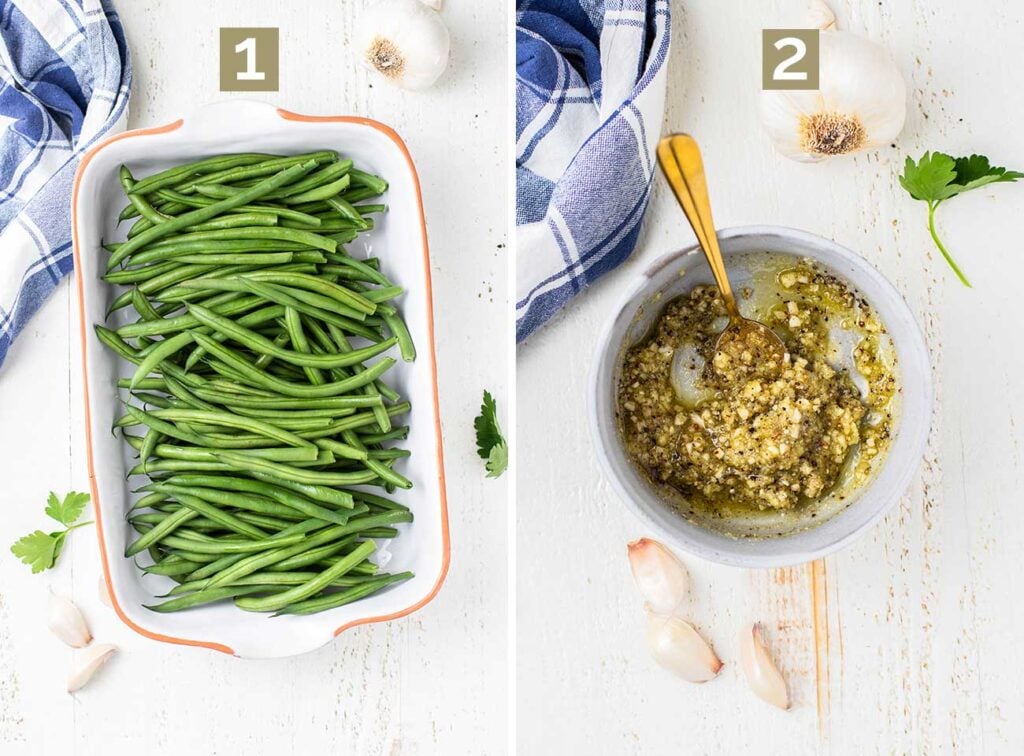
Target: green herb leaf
{"points": [[937, 176], [488, 432], [42, 550], [497, 460], [37, 550], [930, 178], [490, 443], [67, 511]]}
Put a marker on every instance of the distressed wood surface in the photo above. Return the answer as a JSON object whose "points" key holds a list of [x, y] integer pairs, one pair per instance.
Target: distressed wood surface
{"points": [[907, 641], [427, 684]]}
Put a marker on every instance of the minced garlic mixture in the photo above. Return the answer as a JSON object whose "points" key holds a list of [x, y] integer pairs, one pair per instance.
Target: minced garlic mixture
{"points": [[762, 435]]}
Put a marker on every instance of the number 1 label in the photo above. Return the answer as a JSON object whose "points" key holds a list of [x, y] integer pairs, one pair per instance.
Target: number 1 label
{"points": [[248, 46], [249, 60]]}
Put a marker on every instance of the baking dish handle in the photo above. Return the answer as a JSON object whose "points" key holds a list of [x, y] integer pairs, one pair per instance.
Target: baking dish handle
{"points": [[237, 117]]}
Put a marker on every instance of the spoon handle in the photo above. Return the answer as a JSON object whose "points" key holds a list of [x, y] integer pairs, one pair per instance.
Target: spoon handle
{"points": [[682, 165]]}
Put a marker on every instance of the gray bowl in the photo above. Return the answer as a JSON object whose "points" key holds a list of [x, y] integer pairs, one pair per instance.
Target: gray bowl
{"points": [[773, 539]]}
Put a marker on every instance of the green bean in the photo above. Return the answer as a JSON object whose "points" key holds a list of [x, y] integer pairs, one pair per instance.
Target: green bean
{"points": [[263, 345], [263, 380], [165, 350], [305, 590], [169, 176], [292, 403], [342, 450], [226, 519], [340, 598], [320, 192], [299, 475], [206, 454], [229, 420], [169, 568], [204, 597], [160, 532], [305, 220]]}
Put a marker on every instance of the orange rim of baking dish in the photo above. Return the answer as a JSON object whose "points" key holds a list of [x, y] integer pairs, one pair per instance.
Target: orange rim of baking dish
{"points": [[445, 538]]}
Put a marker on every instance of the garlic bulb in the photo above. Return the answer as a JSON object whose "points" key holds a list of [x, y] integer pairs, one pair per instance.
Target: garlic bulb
{"points": [[679, 648], [659, 575], [860, 101], [88, 663], [762, 675], [67, 623], [404, 41]]}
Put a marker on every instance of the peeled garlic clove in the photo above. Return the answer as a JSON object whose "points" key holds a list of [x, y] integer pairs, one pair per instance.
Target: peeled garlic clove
{"points": [[88, 663], [679, 648], [762, 675], [404, 41], [105, 592], [67, 623], [659, 575], [860, 101]]}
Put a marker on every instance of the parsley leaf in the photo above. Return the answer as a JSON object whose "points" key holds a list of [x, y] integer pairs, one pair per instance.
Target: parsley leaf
{"points": [[937, 176], [497, 460], [490, 443], [67, 511], [37, 550], [41, 550]]}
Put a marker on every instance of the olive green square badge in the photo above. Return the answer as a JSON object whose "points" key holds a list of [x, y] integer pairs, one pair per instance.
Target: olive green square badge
{"points": [[790, 58], [249, 60]]}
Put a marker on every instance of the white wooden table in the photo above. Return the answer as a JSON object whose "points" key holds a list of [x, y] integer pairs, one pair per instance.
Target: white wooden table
{"points": [[909, 640], [433, 682]]}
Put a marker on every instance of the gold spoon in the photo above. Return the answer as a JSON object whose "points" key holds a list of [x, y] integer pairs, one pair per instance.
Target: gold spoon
{"points": [[680, 160]]}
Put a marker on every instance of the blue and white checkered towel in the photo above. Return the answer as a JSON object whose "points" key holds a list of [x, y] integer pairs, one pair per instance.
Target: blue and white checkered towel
{"points": [[590, 97], [65, 77]]}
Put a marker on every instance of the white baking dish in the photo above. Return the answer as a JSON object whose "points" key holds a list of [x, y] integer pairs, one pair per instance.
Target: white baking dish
{"points": [[399, 240]]}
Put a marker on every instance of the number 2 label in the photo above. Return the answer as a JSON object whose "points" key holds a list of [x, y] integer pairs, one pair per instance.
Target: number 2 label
{"points": [[782, 72], [790, 58]]}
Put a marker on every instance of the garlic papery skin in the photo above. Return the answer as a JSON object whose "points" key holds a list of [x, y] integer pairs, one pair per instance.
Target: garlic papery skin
{"points": [[860, 103], [660, 576], [822, 16], [88, 663], [679, 648], [762, 675], [404, 41], [67, 623]]}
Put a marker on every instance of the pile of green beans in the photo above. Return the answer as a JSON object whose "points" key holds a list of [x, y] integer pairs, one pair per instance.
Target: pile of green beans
{"points": [[258, 407]]}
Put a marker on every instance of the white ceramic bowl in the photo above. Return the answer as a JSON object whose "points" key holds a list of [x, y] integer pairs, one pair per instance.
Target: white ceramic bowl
{"points": [[399, 240], [801, 539]]}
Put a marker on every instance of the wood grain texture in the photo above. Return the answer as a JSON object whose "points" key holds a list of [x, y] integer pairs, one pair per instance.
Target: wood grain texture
{"points": [[430, 683], [905, 642]]}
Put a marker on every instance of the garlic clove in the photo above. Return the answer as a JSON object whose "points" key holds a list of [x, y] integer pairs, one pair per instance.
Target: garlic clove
{"points": [[105, 592], [435, 4], [66, 622], [404, 41], [762, 675], [660, 576], [88, 663], [679, 648], [821, 16]]}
